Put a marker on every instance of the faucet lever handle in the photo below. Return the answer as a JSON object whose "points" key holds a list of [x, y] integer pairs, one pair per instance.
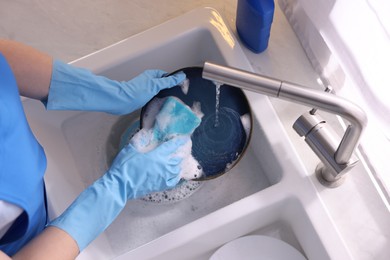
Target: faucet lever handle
{"points": [[324, 142]]}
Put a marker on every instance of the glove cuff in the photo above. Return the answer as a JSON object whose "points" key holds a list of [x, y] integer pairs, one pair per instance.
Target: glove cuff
{"points": [[93, 211], [73, 88]]}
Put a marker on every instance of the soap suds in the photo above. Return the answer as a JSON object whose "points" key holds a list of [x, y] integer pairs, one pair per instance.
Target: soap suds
{"points": [[143, 141], [185, 85], [151, 112], [197, 109], [190, 168], [181, 191], [246, 124]]}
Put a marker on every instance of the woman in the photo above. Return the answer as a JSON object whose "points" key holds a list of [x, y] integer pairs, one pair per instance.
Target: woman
{"points": [[24, 232]]}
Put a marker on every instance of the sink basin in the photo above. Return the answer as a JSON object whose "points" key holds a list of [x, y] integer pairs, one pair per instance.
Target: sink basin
{"points": [[268, 192]]}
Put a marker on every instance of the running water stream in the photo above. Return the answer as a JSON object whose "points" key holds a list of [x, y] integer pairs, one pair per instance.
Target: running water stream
{"points": [[217, 95]]}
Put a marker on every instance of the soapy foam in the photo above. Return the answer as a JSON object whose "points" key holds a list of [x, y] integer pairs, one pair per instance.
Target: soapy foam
{"points": [[185, 85], [142, 141], [246, 124], [197, 109], [151, 113], [190, 168], [181, 191], [163, 119]]}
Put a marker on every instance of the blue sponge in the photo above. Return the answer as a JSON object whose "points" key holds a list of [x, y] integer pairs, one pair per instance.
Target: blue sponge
{"points": [[174, 118]]}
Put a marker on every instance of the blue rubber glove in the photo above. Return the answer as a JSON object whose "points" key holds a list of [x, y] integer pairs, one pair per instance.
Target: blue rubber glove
{"points": [[132, 175], [73, 88]]}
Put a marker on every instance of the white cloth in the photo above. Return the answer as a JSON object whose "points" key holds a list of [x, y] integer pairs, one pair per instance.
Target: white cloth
{"points": [[8, 214]]}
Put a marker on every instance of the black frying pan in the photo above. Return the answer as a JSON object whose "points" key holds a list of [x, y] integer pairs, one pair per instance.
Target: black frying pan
{"points": [[217, 149]]}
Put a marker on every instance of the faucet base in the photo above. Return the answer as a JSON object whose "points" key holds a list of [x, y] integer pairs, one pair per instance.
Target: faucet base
{"points": [[326, 178]]}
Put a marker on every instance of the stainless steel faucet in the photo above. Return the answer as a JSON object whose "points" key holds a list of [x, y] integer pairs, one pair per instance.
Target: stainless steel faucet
{"points": [[337, 156]]}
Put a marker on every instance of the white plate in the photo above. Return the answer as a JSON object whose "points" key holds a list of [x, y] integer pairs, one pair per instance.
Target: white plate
{"points": [[257, 247]]}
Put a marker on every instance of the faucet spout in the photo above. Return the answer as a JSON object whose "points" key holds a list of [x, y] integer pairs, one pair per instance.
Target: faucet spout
{"points": [[335, 156]]}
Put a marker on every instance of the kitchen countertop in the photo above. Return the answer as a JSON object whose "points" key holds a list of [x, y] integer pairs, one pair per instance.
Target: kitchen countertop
{"points": [[69, 30]]}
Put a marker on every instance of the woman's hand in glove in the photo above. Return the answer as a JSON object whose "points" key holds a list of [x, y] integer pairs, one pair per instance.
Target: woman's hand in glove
{"points": [[73, 88]]}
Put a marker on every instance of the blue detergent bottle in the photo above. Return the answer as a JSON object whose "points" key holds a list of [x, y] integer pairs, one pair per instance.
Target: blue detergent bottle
{"points": [[253, 21]]}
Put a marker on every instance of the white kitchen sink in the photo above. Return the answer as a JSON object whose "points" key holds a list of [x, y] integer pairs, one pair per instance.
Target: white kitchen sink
{"points": [[268, 192]]}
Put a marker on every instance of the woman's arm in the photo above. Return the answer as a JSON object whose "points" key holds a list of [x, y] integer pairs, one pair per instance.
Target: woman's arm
{"points": [[73, 88], [32, 68], [52, 243]]}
